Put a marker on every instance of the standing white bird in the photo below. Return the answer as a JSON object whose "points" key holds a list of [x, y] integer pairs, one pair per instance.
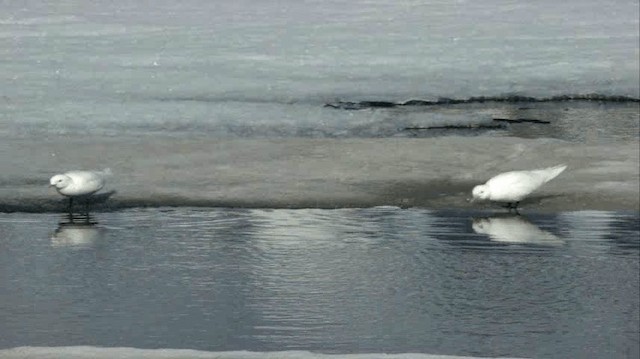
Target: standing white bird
{"points": [[79, 183], [512, 187]]}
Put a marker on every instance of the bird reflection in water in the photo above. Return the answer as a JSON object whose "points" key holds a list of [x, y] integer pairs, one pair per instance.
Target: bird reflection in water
{"points": [[76, 231], [511, 228]]}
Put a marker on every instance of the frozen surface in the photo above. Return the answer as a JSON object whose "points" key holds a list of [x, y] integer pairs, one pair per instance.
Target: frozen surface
{"points": [[327, 173], [222, 103], [172, 66]]}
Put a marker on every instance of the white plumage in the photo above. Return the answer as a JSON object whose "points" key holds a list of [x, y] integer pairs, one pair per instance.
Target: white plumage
{"points": [[79, 183], [512, 187]]}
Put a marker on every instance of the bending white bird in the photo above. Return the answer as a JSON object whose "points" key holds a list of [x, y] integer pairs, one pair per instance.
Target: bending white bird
{"points": [[512, 187], [79, 183]]}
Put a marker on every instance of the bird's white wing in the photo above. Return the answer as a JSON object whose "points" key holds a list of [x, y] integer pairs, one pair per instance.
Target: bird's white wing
{"points": [[514, 186], [547, 174], [85, 182]]}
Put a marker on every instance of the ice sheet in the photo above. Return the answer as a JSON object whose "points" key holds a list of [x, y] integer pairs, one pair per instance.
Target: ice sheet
{"points": [[319, 173]]}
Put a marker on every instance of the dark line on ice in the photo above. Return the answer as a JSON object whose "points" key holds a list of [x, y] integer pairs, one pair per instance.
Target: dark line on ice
{"points": [[360, 105], [522, 120], [458, 127]]}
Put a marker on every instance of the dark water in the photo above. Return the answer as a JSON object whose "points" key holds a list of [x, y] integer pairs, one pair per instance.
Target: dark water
{"points": [[562, 285]]}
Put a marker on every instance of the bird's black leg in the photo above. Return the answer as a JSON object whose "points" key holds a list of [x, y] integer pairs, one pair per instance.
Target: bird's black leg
{"points": [[515, 208], [512, 206], [70, 206]]}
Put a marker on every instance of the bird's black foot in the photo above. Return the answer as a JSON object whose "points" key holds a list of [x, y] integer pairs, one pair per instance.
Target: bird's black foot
{"points": [[512, 206]]}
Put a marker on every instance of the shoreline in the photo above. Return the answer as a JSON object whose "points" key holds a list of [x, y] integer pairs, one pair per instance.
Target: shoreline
{"points": [[329, 173], [547, 203]]}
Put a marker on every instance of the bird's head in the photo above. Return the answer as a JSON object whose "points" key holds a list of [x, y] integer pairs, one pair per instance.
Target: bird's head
{"points": [[481, 192], [59, 181]]}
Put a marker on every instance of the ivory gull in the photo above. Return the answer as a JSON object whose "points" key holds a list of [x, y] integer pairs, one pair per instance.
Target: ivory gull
{"points": [[512, 187], [79, 183]]}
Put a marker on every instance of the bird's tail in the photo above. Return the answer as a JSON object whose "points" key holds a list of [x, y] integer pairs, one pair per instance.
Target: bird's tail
{"points": [[552, 172], [107, 172]]}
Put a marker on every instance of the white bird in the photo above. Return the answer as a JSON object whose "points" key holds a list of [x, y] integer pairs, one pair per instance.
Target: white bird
{"points": [[79, 183], [512, 187]]}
